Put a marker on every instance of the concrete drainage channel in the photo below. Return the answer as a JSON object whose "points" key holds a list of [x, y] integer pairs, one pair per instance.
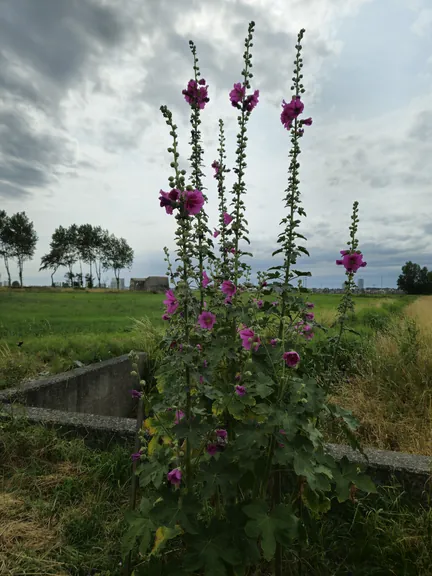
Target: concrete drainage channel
{"points": [[94, 402]]}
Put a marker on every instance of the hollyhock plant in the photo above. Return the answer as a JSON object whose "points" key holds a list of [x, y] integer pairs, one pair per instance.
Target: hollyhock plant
{"points": [[351, 261], [310, 305], [206, 320], [136, 394], [291, 358], [234, 368]]}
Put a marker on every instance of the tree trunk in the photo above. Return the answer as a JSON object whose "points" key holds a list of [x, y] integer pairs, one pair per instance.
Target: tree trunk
{"points": [[6, 261], [20, 271], [117, 277], [52, 279]]}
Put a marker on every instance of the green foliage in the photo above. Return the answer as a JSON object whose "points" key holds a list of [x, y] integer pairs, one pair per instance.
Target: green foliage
{"points": [[414, 279]]}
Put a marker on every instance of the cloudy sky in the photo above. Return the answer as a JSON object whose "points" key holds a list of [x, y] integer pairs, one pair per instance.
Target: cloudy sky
{"points": [[82, 139]]}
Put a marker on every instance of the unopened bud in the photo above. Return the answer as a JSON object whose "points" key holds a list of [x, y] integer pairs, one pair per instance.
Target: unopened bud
{"points": [[133, 373]]}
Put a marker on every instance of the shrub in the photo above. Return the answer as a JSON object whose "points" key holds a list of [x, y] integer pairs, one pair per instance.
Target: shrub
{"points": [[16, 284]]}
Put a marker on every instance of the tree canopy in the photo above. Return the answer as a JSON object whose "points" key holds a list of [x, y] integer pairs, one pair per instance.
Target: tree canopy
{"points": [[415, 279]]}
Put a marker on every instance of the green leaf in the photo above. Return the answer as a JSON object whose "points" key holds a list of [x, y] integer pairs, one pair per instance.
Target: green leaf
{"points": [[317, 503], [365, 483]]}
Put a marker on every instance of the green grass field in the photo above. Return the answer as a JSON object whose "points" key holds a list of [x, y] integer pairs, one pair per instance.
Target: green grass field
{"points": [[58, 328]]}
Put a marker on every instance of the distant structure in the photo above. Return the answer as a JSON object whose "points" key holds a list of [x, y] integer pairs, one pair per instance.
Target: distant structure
{"points": [[113, 285], [150, 284], [360, 284]]}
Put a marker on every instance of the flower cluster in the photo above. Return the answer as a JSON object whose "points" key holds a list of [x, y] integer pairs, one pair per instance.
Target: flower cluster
{"points": [[291, 110], [240, 100], [192, 201], [196, 93]]}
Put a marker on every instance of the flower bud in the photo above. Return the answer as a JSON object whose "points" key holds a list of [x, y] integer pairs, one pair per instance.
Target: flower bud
{"points": [[134, 373]]}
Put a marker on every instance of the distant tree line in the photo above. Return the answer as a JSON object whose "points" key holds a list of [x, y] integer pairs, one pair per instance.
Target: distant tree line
{"points": [[414, 279], [90, 245], [18, 241]]}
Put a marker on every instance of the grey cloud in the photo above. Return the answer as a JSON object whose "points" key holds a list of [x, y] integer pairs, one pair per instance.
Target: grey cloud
{"points": [[8, 191]]}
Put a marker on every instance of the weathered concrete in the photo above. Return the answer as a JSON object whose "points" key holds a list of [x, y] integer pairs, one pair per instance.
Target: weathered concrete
{"points": [[100, 388]]}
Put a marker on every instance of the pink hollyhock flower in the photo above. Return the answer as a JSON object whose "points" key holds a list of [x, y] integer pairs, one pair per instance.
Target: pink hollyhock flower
{"points": [[237, 377], [290, 111], [205, 363], [201, 379], [273, 342], [237, 94], [179, 415], [228, 288], [291, 358], [199, 347], [227, 218], [193, 201], [205, 279], [249, 339], [264, 284], [168, 200], [216, 168], [310, 305], [171, 302], [307, 122], [275, 303], [352, 261], [206, 320], [251, 101], [196, 93], [211, 449], [309, 315], [233, 251], [227, 300], [240, 390], [166, 316], [216, 233], [136, 456], [136, 394], [260, 303], [307, 332], [174, 476], [282, 431], [221, 433]]}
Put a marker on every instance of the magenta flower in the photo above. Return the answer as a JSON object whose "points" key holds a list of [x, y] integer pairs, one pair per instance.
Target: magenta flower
{"points": [[307, 122], [206, 320], [310, 305], [179, 415], [216, 233], [227, 218], [227, 300], [275, 303], [168, 200], [166, 317], [201, 379], [307, 332], [196, 93], [251, 101], [249, 339], [216, 168], [352, 261], [290, 111], [205, 363], [171, 302], [136, 456], [228, 288], [174, 476], [221, 433], [273, 342], [240, 390], [291, 358], [211, 449], [205, 279], [136, 394], [260, 303], [193, 201], [282, 431], [199, 347], [309, 315], [237, 94]]}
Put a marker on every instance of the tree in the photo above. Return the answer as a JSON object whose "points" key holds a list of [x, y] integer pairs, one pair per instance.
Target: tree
{"points": [[52, 261], [88, 239], [5, 242], [102, 240], [118, 255], [23, 240], [414, 279]]}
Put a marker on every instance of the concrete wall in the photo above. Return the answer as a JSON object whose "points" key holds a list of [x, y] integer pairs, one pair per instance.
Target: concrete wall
{"points": [[101, 388]]}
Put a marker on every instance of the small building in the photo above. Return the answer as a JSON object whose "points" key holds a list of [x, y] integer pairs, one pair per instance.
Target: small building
{"points": [[360, 284], [150, 284]]}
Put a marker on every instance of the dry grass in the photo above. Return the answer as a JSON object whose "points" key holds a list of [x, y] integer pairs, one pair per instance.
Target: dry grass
{"points": [[392, 396]]}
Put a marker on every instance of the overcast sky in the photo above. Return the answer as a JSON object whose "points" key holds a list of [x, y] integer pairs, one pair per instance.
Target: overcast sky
{"points": [[82, 139]]}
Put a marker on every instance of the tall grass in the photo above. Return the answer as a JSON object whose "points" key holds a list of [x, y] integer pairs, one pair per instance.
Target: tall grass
{"points": [[391, 394]]}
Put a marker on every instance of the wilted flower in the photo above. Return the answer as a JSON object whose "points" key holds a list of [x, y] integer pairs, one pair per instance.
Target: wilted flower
{"points": [[136, 394], [273, 342], [174, 476], [309, 315], [240, 390], [310, 305], [291, 358], [221, 433], [216, 168], [212, 449], [136, 456], [168, 200], [216, 233]]}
